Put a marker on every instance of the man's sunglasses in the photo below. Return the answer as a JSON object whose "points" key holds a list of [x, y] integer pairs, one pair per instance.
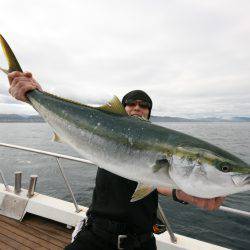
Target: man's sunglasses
{"points": [[142, 104]]}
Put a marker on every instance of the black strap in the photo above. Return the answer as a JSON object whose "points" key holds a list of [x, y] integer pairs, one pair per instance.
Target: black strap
{"points": [[176, 199]]}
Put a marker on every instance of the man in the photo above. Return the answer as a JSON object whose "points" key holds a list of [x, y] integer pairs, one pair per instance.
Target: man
{"points": [[113, 221]]}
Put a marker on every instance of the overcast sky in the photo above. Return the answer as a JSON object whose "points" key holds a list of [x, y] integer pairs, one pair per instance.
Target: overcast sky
{"points": [[192, 57]]}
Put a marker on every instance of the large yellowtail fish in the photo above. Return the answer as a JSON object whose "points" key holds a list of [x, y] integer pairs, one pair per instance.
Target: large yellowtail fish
{"points": [[139, 150]]}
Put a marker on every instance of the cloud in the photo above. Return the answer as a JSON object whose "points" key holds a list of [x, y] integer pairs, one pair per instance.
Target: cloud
{"points": [[191, 57]]}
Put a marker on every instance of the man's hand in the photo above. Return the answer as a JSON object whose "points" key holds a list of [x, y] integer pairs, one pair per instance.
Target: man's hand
{"points": [[208, 204], [21, 83]]}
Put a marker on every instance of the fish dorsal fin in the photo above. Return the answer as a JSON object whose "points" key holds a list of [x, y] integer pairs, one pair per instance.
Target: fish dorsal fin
{"points": [[141, 191], [114, 106]]}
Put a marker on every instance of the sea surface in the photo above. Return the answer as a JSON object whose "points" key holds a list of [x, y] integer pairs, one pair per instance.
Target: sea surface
{"points": [[224, 229]]}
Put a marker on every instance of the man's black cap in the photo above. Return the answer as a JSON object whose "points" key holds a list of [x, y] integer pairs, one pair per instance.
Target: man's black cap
{"points": [[138, 95]]}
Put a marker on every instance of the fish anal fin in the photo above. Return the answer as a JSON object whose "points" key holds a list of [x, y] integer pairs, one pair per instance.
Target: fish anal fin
{"points": [[56, 138], [141, 191], [114, 106]]}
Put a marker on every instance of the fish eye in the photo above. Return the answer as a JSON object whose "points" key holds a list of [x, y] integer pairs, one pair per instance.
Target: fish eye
{"points": [[225, 168]]}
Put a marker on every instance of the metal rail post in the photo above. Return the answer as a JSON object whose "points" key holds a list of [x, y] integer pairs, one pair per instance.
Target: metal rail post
{"points": [[68, 186], [4, 181], [32, 185], [18, 182], [166, 222]]}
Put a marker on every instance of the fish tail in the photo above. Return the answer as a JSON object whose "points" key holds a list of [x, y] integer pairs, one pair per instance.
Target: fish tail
{"points": [[11, 58]]}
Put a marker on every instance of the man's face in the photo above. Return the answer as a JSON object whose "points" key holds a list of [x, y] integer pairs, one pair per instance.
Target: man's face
{"points": [[137, 108]]}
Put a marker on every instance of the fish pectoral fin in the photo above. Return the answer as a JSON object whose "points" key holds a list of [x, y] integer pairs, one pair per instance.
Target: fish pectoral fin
{"points": [[141, 191], [12, 61], [56, 138], [114, 106], [161, 163]]}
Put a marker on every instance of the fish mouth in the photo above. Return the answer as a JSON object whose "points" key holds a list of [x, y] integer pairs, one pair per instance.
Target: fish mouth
{"points": [[241, 180]]}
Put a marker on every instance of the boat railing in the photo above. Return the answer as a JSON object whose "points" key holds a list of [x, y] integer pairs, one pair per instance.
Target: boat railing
{"points": [[76, 159], [55, 155]]}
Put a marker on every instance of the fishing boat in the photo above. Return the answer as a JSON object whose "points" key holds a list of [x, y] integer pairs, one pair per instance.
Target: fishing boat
{"points": [[30, 220]]}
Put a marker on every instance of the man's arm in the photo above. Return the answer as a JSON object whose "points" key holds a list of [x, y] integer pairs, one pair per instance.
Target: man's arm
{"points": [[21, 83], [208, 204]]}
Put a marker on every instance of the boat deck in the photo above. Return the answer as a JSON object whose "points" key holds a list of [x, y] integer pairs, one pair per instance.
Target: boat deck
{"points": [[33, 232]]}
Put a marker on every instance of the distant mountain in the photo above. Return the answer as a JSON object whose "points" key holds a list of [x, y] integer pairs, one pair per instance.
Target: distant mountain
{"points": [[20, 118], [240, 119], [169, 119], [36, 118], [207, 119]]}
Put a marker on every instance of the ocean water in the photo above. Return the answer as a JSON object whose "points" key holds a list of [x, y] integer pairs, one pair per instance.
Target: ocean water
{"points": [[224, 229]]}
